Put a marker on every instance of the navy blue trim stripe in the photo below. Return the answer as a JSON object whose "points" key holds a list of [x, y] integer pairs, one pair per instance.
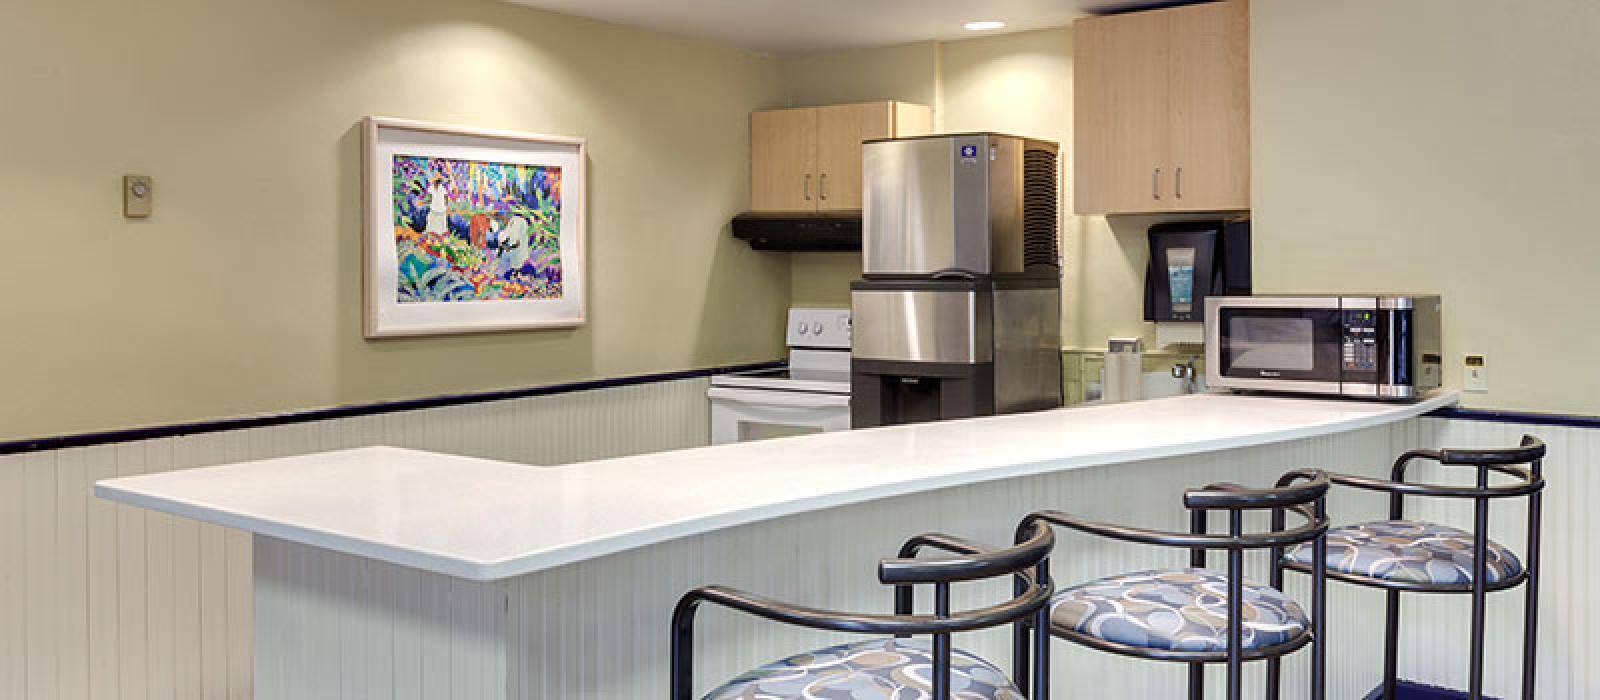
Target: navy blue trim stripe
{"points": [[1521, 417], [351, 411]]}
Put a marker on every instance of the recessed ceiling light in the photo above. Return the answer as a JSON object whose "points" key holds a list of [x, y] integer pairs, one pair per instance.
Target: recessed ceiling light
{"points": [[984, 25]]}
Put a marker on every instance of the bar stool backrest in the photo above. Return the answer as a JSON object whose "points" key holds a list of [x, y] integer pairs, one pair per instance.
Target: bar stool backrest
{"points": [[1302, 491], [971, 562], [1525, 464]]}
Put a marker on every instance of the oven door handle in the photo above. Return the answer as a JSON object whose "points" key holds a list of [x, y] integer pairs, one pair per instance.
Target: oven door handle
{"points": [[787, 399]]}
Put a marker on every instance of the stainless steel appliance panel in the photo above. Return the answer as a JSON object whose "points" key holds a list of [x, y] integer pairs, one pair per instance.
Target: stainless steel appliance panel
{"points": [[922, 325], [1414, 365], [1027, 349], [1004, 208], [925, 205]]}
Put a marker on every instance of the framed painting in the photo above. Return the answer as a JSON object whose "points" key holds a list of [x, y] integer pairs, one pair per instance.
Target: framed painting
{"points": [[471, 230]]}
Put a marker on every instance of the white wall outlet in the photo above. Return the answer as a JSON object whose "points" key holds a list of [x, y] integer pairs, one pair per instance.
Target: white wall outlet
{"points": [[1475, 373]]}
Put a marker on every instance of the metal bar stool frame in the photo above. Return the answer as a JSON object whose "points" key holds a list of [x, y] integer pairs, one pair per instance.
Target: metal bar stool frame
{"points": [[974, 562], [1529, 482], [1304, 499]]}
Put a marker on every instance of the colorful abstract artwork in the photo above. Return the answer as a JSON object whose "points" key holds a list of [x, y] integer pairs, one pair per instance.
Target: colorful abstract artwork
{"points": [[472, 231]]}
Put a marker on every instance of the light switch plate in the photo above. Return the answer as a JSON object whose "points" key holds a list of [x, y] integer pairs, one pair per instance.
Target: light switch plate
{"points": [[1475, 373], [138, 196]]}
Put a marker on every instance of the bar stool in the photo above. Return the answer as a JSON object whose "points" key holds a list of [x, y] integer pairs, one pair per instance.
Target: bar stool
{"points": [[1195, 615], [1399, 555], [893, 666]]}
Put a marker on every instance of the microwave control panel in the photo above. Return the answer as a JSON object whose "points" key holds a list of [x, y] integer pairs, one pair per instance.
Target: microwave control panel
{"points": [[1360, 341]]}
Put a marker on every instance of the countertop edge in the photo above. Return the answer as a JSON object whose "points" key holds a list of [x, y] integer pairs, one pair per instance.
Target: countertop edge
{"points": [[495, 570], [591, 549]]}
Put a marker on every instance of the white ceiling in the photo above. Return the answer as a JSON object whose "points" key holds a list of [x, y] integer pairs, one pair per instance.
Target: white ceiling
{"points": [[812, 25]]}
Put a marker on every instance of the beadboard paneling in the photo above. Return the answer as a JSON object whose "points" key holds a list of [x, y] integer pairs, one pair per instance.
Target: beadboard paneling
{"points": [[597, 629], [112, 602]]}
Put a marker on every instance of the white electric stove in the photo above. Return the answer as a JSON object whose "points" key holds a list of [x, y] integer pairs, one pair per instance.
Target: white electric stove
{"points": [[811, 394]]}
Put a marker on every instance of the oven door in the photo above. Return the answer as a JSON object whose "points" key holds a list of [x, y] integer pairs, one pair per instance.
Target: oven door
{"points": [[739, 415], [1275, 343]]}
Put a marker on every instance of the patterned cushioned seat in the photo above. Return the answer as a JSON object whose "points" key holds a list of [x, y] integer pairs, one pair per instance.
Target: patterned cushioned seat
{"points": [[1410, 551], [1176, 610], [901, 669]]}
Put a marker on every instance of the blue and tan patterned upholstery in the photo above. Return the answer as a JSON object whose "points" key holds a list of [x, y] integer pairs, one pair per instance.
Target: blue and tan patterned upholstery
{"points": [[900, 669], [1177, 610], [1410, 551]]}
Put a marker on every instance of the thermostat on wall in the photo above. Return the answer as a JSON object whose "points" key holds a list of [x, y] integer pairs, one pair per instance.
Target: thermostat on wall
{"points": [[1475, 373]]}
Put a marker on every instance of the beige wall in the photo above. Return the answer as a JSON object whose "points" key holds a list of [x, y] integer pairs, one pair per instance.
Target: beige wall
{"points": [[241, 294], [909, 73], [1446, 147]]}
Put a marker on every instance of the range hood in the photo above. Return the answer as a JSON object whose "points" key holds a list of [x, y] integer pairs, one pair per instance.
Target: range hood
{"points": [[794, 231]]}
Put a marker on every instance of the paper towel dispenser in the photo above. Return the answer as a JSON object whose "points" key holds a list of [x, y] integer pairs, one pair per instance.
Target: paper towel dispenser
{"points": [[1193, 260]]}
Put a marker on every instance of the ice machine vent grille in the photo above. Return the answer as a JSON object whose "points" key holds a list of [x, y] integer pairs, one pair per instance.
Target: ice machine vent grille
{"points": [[1040, 207]]}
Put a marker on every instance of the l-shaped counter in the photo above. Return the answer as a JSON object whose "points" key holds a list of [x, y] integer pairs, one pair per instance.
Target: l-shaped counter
{"points": [[367, 542], [485, 520]]}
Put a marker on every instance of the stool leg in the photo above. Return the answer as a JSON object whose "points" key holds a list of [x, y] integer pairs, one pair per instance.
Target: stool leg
{"points": [[1480, 574], [1235, 609], [1041, 653], [1475, 680], [1391, 643], [1319, 613], [1197, 559], [1020, 644], [1275, 664], [1274, 685], [1530, 612]]}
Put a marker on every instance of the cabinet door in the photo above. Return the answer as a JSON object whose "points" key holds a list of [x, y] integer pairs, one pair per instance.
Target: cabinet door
{"points": [[912, 120], [1210, 106], [1122, 128], [840, 131], [783, 160]]}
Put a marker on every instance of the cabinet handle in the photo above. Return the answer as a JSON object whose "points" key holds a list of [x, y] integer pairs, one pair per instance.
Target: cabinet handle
{"points": [[1178, 183], [1155, 184], [807, 187], [822, 187]]}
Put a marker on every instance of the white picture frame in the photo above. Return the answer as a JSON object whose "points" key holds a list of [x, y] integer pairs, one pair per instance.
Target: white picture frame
{"points": [[487, 262]]}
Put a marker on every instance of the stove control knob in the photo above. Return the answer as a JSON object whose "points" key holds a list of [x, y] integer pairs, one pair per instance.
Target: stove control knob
{"points": [[804, 327]]}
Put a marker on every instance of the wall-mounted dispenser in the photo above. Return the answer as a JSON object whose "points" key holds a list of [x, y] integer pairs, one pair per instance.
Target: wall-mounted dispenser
{"points": [[1192, 260]]}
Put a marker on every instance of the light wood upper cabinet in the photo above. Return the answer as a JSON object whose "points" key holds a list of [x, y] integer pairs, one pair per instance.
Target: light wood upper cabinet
{"points": [[840, 131], [1120, 111], [1210, 107], [1162, 110], [809, 158], [783, 160]]}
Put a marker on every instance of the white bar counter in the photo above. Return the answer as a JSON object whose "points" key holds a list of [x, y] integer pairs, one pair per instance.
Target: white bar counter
{"points": [[520, 575], [484, 520]]}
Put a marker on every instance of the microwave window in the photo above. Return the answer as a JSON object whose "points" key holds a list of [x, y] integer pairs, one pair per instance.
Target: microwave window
{"points": [[1256, 342], [1180, 279]]}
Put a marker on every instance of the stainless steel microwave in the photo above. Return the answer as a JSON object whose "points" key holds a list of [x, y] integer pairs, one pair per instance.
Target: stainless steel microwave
{"points": [[1373, 346]]}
